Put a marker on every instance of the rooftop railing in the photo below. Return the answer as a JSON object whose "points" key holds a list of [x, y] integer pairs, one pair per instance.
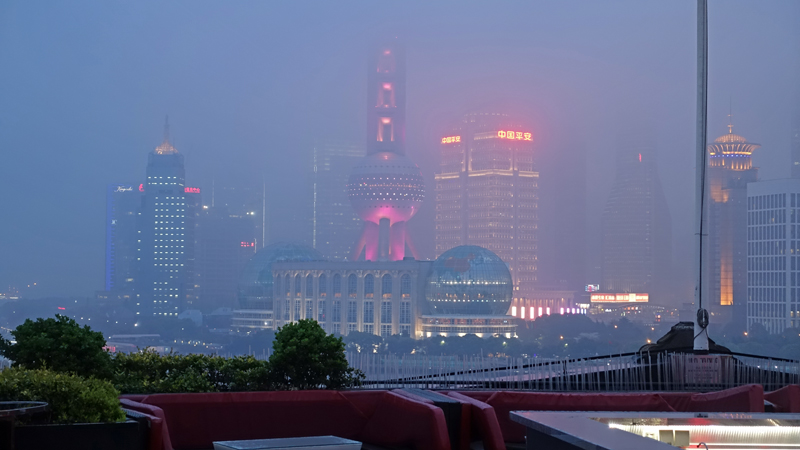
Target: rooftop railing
{"points": [[628, 372]]}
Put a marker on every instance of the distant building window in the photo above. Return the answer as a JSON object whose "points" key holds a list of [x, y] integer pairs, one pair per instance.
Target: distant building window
{"points": [[352, 327], [352, 286], [336, 328], [386, 330], [310, 286], [405, 286], [405, 330], [369, 312], [369, 328], [287, 310], [287, 285], [405, 312], [297, 310], [352, 312], [337, 311], [369, 286], [323, 285], [298, 281], [386, 312], [386, 286], [309, 309], [337, 285], [321, 312]]}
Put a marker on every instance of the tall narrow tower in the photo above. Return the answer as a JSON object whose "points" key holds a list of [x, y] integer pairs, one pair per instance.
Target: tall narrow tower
{"points": [[163, 241], [730, 168], [385, 187]]}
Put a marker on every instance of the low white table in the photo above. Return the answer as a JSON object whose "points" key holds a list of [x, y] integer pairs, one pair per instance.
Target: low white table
{"points": [[298, 443]]}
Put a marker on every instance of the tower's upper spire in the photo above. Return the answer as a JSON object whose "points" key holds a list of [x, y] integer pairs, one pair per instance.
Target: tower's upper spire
{"points": [[166, 148]]}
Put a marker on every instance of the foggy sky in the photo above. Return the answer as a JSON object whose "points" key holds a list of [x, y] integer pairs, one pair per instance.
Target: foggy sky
{"points": [[248, 86]]}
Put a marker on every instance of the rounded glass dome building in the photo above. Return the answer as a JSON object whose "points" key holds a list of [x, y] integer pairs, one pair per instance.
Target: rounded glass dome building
{"points": [[469, 290], [469, 280], [255, 284]]}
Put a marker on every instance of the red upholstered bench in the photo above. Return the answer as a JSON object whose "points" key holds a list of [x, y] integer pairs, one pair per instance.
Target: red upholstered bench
{"points": [[748, 398], [483, 422], [786, 400], [504, 402], [195, 421]]}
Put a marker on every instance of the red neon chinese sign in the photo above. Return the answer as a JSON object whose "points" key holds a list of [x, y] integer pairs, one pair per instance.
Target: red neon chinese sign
{"points": [[141, 187], [515, 135], [248, 244], [191, 190], [451, 139]]}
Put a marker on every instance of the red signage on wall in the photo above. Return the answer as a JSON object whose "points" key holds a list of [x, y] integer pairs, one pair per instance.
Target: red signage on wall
{"points": [[515, 135], [191, 190]]}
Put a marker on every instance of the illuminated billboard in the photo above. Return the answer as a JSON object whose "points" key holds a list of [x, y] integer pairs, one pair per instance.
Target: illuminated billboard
{"points": [[592, 288], [515, 135], [191, 190], [451, 139], [620, 298]]}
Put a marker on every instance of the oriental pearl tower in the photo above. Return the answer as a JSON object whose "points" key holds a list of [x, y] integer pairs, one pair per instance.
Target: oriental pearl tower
{"points": [[385, 187]]}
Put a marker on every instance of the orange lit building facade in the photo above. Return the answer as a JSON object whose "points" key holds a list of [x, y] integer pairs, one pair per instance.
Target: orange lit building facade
{"points": [[487, 193], [730, 168]]}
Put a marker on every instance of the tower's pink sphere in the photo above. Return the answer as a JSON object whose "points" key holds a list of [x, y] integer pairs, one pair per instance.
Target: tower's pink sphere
{"points": [[386, 186]]}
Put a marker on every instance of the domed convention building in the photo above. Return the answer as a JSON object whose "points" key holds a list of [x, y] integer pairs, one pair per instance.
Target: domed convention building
{"points": [[255, 291], [469, 291]]}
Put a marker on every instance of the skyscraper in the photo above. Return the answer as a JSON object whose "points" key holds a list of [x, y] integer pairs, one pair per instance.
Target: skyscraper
{"points": [[335, 227], [487, 193], [730, 168], [225, 242], [773, 254], [165, 238], [122, 209], [385, 187], [637, 229]]}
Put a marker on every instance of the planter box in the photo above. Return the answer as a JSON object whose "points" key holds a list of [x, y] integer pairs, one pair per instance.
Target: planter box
{"points": [[128, 435]]}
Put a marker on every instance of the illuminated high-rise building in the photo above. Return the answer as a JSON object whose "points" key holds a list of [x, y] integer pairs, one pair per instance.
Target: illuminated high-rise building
{"points": [[122, 210], [730, 168], [773, 268], [335, 226], [385, 187], [166, 232], [637, 229], [487, 193]]}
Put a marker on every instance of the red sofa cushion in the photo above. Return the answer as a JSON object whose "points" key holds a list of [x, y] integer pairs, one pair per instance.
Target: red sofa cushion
{"points": [[786, 399], [159, 434], [484, 421], [197, 420]]}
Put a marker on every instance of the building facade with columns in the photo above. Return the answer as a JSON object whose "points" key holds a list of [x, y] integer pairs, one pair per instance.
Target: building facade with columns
{"points": [[382, 298]]}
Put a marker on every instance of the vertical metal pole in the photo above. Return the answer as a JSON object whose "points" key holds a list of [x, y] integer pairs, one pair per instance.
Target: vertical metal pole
{"points": [[701, 321]]}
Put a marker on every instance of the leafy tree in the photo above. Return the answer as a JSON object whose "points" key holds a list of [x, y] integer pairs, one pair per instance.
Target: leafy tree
{"points": [[60, 345], [305, 357]]}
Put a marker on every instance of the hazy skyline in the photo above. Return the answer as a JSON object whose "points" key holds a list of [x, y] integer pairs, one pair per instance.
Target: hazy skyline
{"points": [[84, 88]]}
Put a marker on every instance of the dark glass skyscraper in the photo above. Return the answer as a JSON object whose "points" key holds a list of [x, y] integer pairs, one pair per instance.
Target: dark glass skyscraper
{"points": [[637, 229], [335, 226], [122, 209], [164, 280]]}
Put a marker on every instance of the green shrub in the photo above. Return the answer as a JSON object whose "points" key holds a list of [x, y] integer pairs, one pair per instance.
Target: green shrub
{"points": [[147, 372], [306, 357], [60, 345], [72, 399]]}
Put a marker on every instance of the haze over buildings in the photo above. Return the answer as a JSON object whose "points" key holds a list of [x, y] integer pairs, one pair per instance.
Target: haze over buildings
{"points": [[250, 88]]}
